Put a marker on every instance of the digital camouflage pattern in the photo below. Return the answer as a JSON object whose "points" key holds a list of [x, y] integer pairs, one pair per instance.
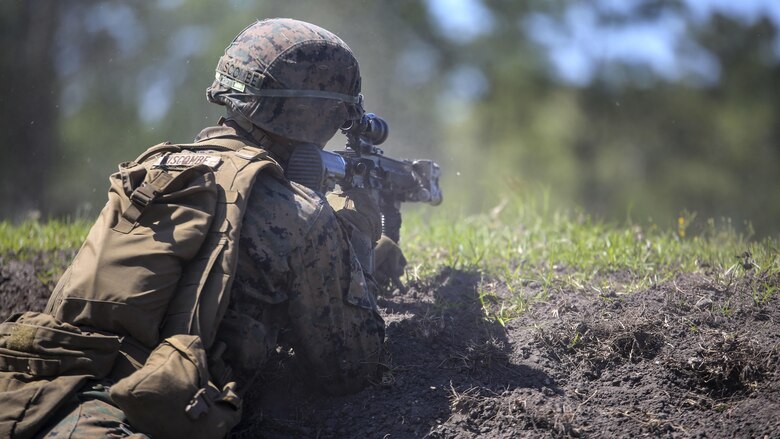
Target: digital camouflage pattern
{"points": [[298, 275], [289, 56]]}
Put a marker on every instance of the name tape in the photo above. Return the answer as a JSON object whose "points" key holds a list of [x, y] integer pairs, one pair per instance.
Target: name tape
{"points": [[188, 160]]}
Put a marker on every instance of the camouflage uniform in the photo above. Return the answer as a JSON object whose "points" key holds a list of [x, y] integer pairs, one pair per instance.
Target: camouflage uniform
{"points": [[297, 274], [296, 83]]}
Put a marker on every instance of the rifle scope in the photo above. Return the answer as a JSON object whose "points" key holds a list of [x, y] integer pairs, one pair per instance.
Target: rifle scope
{"points": [[370, 128]]}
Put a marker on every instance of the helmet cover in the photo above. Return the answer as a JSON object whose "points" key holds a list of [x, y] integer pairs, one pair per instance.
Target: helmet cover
{"points": [[290, 78]]}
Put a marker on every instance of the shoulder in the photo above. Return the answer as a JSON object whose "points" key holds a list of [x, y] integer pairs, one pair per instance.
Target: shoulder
{"points": [[280, 214], [284, 202]]}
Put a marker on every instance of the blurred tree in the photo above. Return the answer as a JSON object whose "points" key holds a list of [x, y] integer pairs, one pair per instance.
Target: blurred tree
{"points": [[28, 103], [710, 148], [647, 142], [478, 85]]}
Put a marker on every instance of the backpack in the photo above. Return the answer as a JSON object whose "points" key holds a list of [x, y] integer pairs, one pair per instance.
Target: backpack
{"points": [[161, 256], [158, 264]]}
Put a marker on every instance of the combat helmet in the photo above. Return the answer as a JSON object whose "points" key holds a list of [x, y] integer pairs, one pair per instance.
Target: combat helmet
{"points": [[290, 78]]}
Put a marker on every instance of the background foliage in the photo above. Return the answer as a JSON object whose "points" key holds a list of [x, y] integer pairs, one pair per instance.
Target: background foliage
{"points": [[645, 109]]}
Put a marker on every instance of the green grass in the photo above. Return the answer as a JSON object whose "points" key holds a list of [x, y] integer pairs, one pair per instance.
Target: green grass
{"points": [[524, 251], [533, 250], [30, 238], [50, 243]]}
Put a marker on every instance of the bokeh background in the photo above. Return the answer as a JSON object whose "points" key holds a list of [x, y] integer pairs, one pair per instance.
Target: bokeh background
{"points": [[638, 110]]}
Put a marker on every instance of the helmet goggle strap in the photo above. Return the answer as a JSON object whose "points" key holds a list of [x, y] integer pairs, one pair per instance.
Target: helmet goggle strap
{"points": [[255, 81]]}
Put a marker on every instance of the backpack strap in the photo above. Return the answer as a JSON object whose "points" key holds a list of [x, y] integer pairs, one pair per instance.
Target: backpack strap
{"points": [[141, 198]]}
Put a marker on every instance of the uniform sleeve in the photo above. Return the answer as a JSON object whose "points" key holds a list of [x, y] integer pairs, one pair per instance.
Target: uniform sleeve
{"points": [[338, 333], [359, 211], [360, 218]]}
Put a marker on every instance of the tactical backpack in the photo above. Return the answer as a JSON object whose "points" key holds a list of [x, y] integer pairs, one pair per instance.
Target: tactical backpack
{"points": [[157, 266], [160, 258]]}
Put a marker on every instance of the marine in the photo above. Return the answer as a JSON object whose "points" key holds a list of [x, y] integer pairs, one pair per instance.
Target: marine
{"points": [[207, 257]]}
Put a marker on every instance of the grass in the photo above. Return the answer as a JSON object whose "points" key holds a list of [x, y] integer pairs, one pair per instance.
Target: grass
{"points": [[30, 238], [52, 243], [525, 250], [533, 250]]}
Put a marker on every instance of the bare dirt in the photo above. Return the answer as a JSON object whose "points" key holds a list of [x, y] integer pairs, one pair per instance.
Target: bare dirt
{"points": [[21, 287], [691, 357]]}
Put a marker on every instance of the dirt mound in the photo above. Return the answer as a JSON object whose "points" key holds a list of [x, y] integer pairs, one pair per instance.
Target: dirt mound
{"points": [[689, 358], [21, 289]]}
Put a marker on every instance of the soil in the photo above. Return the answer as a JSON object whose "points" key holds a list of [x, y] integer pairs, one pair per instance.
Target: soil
{"points": [[692, 357], [21, 287]]}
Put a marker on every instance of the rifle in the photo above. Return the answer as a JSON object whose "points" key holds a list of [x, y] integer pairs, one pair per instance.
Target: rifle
{"points": [[363, 165]]}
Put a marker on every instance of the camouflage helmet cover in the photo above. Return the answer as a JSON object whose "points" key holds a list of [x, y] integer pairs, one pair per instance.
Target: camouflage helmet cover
{"points": [[290, 78]]}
